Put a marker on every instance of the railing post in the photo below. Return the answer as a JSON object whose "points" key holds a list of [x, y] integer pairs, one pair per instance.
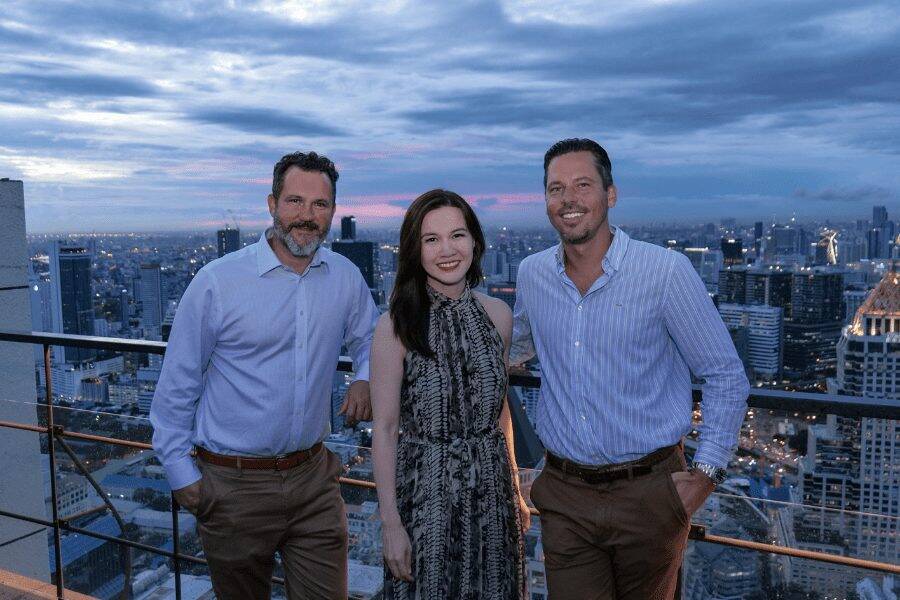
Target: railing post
{"points": [[51, 445], [176, 547]]}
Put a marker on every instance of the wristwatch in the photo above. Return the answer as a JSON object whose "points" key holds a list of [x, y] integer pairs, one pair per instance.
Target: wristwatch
{"points": [[716, 474]]}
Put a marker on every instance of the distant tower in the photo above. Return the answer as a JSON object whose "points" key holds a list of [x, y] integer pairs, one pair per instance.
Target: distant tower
{"points": [[732, 251], [71, 299], [228, 240], [879, 216], [151, 295], [348, 228], [826, 248], [361, 254]]}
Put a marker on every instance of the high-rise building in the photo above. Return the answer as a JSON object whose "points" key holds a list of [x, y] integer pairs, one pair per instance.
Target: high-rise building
{"points": [[228, 240], [770, 286], [851, 464], [758, 238], [348, 228], [827, 248], [879, 216], [707, 263], [733, 285], [732, 251], [21, 491], [765, 334], [152, 296], [817, 314], [786, 239], [71, 298], [361, 254]]}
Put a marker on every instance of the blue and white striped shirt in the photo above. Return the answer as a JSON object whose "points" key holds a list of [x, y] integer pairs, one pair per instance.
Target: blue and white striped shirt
{"points": [[252, 356], [616, 363]]}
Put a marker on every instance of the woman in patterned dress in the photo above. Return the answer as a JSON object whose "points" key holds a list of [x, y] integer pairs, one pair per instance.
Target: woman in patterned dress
{"points": [[452, 515]]}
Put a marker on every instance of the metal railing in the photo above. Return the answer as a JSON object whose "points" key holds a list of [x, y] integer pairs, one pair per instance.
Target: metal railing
{"points": [[849, 406]]}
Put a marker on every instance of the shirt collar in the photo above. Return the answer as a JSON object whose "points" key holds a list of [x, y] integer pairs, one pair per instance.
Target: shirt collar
{"points": [[612, 260], [267, 261]]}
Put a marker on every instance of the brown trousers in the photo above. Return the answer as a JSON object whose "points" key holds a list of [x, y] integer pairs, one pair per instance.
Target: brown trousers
{"points": [[245, 516], [622, 540]]}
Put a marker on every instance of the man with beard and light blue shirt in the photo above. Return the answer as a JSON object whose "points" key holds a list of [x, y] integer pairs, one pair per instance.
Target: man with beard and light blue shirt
{"points": [[244, 398], [619, 326]]}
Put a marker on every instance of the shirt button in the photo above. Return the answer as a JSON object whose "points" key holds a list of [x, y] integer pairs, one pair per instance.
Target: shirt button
{"points": [[580, 307], [577, 343], [583, 418]]}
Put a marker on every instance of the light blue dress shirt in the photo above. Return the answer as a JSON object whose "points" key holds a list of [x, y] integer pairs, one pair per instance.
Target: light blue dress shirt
{"points": [[616, 363], [252, 356]]}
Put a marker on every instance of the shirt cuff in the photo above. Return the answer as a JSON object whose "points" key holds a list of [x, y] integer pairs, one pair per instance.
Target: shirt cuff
{"points": [[182, 473], [361, 372], [713, 454]]}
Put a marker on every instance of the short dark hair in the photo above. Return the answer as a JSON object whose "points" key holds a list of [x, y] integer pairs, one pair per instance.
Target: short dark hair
{"points": [[409, 300], [308, 161], [601, 158]]}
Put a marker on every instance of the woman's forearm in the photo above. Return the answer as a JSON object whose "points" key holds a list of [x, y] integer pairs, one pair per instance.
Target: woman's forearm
{"points": [[384, 460]]}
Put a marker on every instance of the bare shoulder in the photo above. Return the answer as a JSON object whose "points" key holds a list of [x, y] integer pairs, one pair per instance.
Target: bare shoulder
{"points": [[384, 330]]}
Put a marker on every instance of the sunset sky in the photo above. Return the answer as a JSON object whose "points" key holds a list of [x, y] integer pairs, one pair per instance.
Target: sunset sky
{"points": [[169, 115]]}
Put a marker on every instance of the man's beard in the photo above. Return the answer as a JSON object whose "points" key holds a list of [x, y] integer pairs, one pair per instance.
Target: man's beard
{"points": [[583, 237], [299, 250]]}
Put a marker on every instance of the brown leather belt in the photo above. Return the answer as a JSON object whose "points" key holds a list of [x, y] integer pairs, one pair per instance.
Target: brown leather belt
{"points": [[273, 463], [613, 472]]}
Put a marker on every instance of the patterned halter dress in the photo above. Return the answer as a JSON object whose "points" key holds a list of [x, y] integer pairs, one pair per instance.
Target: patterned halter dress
{"points": [[455, 494]]}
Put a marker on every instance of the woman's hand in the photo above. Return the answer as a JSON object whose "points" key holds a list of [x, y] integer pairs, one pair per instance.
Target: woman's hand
{"points": [[524, 514], [397, 550]]}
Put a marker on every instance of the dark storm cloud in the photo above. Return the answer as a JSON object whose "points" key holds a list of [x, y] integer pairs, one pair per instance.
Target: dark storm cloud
{"points": [[263, 121], [25, 86]]}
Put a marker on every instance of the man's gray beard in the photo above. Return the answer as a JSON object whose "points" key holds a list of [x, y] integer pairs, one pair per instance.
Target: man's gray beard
{"points": [[297, 250]]}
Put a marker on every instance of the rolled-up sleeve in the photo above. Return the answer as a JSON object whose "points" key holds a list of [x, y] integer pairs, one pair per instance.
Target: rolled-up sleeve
{"points": [[359, 329], [698, 331], [174, 407]]}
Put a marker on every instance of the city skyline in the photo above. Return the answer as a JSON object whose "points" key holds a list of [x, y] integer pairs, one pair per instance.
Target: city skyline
{"points": [[170, 116]]}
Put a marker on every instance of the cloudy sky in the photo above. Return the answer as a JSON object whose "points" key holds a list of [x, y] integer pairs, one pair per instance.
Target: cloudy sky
{"points": [[129, 116]]}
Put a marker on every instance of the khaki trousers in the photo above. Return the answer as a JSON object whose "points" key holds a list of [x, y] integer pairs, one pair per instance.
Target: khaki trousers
{"points": [[245, 516], [622, 540]]}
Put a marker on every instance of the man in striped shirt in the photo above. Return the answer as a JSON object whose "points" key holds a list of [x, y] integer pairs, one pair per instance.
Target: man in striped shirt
{"points": [[619, 326]]}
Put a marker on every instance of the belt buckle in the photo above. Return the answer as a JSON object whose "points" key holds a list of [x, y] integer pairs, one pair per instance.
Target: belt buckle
{"points": [[278, 460]]}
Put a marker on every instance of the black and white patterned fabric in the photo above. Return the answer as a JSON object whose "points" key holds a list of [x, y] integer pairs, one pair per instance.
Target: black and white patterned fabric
{"points": [[454, 488]]}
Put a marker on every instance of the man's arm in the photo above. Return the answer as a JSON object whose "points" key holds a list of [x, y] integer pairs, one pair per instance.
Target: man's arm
{"points": [[174, 406], [358, 340], [522, 345], [703, 340]]}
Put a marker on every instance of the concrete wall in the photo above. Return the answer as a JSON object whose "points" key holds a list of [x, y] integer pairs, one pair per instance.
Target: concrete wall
{"points": [[21, 482]]}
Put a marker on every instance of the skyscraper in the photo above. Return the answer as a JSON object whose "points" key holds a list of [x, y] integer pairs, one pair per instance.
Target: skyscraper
{"points": [[228, 240], [732, 251], [815, 322], [21, 551], [361, 254], [152, 296], [770, 286], [851, 464], [765, 335], [348, 228], [71, 298], [879, 216]]}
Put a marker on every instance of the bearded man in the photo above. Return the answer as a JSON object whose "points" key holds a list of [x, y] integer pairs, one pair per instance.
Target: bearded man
{"points": [[244, 398]]}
